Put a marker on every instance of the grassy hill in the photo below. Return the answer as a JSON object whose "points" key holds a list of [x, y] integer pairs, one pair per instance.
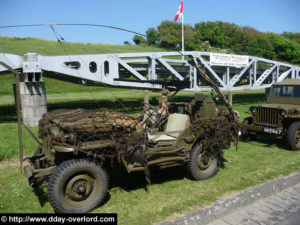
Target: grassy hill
{"points": [[20, 46]]}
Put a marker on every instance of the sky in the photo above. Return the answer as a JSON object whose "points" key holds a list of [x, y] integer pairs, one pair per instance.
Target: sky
{"points": [[138, 15]]}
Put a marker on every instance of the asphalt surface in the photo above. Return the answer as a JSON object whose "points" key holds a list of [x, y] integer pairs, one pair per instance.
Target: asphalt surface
{"points": [[292, 220], [282, 208], [274, 202]]}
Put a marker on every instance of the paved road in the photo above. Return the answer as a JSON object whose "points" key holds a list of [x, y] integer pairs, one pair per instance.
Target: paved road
{"points": [[282, 208], [292, 220]]}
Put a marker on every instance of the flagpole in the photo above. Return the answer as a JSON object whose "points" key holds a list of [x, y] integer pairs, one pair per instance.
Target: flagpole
{"points": [[182, 33]]}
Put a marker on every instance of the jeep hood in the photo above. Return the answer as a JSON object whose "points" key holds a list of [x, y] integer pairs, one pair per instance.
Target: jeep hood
{"points": [[281, 106]]}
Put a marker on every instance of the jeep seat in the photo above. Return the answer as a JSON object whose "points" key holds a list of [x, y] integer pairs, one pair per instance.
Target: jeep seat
{"points": [[175, 125]]}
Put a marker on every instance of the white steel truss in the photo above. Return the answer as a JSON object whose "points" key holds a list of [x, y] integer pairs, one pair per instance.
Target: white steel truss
{"points": [[136, 70]]}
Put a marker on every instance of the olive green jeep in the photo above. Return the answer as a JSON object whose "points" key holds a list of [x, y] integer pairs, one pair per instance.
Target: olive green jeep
{"points": [[279, 117], [80, 146]]}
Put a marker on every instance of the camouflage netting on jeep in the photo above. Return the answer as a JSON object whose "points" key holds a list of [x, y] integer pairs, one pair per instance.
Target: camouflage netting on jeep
{"points": [[73, 127], [99, 133], [217, 133], [91, 121]]}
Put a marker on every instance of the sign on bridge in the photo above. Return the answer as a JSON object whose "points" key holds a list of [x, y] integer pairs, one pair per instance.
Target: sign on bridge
{"points": [[238, 61]]}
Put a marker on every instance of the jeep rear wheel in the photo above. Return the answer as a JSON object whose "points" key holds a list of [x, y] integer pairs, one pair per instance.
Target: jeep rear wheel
{"points": [[77, 186], [293, 136], [202, 164]]}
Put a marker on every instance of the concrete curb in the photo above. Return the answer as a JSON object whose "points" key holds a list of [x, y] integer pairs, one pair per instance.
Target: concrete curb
{"points": [[224, 207]]}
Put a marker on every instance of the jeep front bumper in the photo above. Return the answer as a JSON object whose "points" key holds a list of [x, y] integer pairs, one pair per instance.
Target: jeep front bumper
{"points": [[261, 129]]}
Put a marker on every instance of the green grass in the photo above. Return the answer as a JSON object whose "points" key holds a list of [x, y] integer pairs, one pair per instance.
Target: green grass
{"points": [[129, 196], [9, 147], [21, 46], [170, 192]]}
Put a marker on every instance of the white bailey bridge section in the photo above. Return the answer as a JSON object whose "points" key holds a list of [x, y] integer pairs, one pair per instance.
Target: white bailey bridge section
{"points": [[230, 72]]}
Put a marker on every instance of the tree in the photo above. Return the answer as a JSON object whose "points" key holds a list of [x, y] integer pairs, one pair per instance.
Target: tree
{"points": [[292, 36], [138, 40], [261, 47], [152, 36], [127, 43], [189, 37], [170, 34], [211, 32], [285, 49], [224, 37]]}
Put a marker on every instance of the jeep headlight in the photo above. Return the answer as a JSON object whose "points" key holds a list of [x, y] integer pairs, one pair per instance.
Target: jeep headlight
{"points": [[282, 112], [68, 138], [252, 110]]}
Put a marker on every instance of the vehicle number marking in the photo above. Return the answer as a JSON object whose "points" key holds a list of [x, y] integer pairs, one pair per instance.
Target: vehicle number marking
{"points": [[272, 131]]}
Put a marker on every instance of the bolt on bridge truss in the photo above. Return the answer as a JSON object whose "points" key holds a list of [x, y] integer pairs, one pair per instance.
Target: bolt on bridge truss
{"points": [[136, 70]]}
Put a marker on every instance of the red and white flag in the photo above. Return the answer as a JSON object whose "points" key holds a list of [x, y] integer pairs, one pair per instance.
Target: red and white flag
{"points": [[179, 11]]}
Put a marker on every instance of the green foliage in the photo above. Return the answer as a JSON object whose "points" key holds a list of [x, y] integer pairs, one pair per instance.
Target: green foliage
{"points": [[286, 50], [138, 40], [261, 47], [292, 36], [214, 36], [211, 32], [127, 43], [152, 36], [169, 34]]}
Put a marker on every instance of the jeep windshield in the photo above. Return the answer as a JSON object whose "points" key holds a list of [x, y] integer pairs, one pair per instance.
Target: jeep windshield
{"points": [[286, 91]]}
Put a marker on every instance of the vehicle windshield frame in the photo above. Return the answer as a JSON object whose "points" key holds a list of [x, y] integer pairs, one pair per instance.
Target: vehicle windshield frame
{"points": [[289, 91]]}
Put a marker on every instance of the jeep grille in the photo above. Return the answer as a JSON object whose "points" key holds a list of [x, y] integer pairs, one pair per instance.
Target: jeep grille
{"points": [[267, 116]]}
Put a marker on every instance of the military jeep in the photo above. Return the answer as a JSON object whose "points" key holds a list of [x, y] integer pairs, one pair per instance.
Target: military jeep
{"points": [[279, 117], [79, 146]]}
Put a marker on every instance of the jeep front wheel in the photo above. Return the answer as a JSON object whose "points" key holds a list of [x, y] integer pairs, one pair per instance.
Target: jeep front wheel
{"points": [[245, 133], [77, 186], [293, 136], [202, 164]]}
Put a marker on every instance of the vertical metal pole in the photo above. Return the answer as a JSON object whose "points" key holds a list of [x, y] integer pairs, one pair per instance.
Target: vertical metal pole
{"points": [[18, 100], [182, 34]]}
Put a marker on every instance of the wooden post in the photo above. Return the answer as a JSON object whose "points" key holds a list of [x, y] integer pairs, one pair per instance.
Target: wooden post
{"points": [[230, 97], [146, 100], [19, 120]]}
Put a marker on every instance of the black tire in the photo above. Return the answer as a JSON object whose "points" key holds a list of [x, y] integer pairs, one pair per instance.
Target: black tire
{"points": [[293, 136], [77, 186], [38, 151], [201, 165], [245, 133]]}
